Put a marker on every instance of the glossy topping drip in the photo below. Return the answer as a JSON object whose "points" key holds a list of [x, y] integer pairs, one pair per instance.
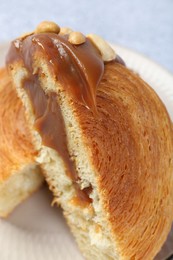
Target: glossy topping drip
{"points": [[78, 61], [50, 125], [78, 66]]}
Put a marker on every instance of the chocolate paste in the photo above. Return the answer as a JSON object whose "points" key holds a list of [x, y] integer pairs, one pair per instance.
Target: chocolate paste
{"points": [[50, 125], [78, 68]]}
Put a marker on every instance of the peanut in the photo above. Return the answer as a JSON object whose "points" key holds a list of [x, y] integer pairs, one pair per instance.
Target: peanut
{"points": [[47, 26], [76, 38], [65, 30], [105, 49]]}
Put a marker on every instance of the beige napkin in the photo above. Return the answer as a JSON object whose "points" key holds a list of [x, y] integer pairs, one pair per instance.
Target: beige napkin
{"points": [[18, 244], [35, 231]]}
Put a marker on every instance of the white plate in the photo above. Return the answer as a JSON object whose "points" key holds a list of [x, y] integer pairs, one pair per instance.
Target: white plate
{"points": [[35, 231]]}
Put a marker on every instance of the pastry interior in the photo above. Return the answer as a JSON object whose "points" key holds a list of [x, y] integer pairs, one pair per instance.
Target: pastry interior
{"points": [[20, 175]]}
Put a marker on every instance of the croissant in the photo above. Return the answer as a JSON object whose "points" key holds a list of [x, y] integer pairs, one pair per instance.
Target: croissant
{"points": [[104, 141], [20, 175]]}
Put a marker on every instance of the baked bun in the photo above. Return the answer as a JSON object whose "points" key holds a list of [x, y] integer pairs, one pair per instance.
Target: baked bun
{"points": [[19, 173], [104, 141]]}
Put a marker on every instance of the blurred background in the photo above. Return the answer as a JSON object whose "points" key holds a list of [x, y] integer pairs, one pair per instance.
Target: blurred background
{"points": [[144, 26]]}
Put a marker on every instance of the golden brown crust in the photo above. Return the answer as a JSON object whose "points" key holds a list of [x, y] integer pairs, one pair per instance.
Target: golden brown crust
{"points": [[16, 148], [131, 142]]}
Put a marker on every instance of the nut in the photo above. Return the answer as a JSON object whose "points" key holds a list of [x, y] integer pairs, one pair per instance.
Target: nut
{"points": [[65, 30], [76, 38], [105, 49], [47, 26], [24, 35]]}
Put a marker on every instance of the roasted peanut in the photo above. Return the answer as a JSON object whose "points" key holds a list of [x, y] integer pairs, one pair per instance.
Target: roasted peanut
{"points": [[76, 38], [105, 49], [47, 26], [65, 30]]}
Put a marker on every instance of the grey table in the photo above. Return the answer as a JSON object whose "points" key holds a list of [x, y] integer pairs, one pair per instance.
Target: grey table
{"points": [[145, 26]]}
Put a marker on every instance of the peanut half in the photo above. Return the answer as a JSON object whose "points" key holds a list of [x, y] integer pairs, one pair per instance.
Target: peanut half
{"points": [[105, 49], [76, 38], [65, 30], [24, 35], [47, 26]]}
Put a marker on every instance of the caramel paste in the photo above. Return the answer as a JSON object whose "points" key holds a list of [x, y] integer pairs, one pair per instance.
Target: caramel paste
{"points": [[79, 68]]}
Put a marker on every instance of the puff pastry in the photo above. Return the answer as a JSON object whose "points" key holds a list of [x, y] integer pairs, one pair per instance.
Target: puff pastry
{"points": [[104, 142]]}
